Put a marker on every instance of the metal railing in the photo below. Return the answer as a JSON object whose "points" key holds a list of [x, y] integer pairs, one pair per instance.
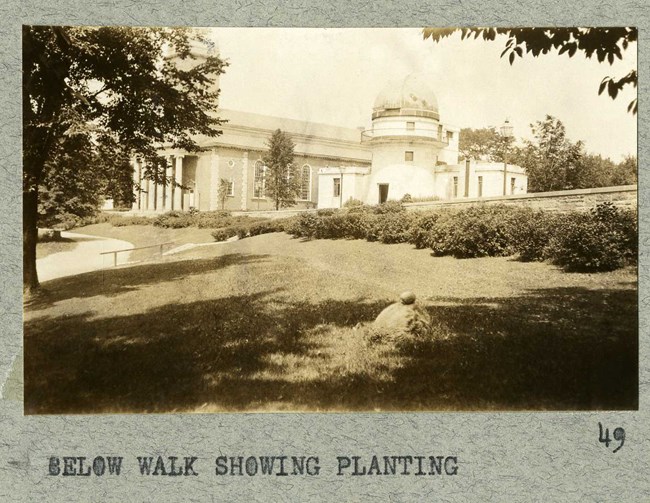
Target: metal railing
{"points": [[402, 132], [115, 252]]}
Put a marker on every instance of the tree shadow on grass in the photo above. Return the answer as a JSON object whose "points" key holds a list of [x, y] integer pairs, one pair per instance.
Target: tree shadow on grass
{"points": [[176, 357], [111, 282], [556, 349], [553, 349]]}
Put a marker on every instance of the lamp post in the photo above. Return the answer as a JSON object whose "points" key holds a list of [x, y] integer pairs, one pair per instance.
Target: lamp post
{"points": [[506, 134]]}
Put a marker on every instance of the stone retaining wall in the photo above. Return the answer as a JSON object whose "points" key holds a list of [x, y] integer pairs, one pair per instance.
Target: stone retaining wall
{"points": [[624, 196]]}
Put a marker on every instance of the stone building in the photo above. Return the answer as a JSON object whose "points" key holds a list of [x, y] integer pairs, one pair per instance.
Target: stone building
{"points": [[407, 150]]}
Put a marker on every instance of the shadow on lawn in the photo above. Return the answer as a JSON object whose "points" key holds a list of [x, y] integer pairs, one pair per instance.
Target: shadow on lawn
{"points": [[557, 349], [114, 281]]}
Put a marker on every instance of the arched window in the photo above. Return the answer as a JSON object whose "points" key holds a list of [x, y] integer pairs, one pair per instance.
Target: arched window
{"points": [[259, 183], [305, 183]]}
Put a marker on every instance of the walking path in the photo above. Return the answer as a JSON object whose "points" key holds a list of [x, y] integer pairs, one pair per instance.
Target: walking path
{"points": [[85, 257]]}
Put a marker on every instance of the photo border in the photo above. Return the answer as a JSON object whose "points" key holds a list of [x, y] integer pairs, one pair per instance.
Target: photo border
{"points": [[513, 456]]}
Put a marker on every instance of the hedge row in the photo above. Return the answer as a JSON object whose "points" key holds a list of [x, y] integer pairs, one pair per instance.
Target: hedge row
{"points": [[176, 220], [250, 228], [601, 240]]}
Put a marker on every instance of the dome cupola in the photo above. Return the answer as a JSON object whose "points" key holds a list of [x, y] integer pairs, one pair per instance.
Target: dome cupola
{"points": [[410, 96]]}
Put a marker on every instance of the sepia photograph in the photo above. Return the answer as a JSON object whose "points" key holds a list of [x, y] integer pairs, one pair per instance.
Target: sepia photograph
{"points": [[329, 220]]}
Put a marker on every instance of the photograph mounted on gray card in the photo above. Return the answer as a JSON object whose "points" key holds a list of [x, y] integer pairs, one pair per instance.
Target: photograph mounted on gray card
{"points": [[321, 220]]}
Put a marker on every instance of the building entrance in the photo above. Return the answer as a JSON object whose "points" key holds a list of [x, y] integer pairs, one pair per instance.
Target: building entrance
{"points": [[383, 193]]}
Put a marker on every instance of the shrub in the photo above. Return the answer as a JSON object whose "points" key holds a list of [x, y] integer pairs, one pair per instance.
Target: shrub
{"points": [[352, 203], [421, 229], [265, 227], [98, 218], [331, 227], [478, 231], [389, 207], [391, 227], [304, 226], [65, 221], [532, 232], [213, 219], [407, 198], [117, 221], [227, 233], [357, 224], [175, 220], [602, 240]]}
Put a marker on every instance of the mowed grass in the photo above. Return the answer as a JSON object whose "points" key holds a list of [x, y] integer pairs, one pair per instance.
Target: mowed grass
{"points": [[43, 249], [143, 235], [148, 236], [274, 323]]}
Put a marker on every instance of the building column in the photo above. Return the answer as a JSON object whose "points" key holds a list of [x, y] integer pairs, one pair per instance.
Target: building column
{"points": [[137, 176], [167, 188], [178, 178], [160, 190], [244, 182], [215, 181], [151, 191]]}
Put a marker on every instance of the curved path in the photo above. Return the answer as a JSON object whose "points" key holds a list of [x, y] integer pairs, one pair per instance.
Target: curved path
{"points": [[82, 258]]}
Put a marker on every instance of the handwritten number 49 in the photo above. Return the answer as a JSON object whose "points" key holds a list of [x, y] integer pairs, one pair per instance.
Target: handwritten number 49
{"points": [[618, 434]]}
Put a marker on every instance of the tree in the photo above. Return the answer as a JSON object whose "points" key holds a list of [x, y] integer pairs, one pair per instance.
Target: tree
{"points": [[222, 192], [109, 82], [71, 186], [595, 171], [625, 172], [551, 161], [281, 179], [607, 44], [114, 165], [477, 143], [485, 144]]}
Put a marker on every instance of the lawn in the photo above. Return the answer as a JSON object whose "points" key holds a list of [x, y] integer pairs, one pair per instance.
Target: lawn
{"points": [[45, 248], [274, 323], [144, 235]]}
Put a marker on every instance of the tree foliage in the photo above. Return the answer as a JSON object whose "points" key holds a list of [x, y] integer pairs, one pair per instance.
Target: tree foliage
{"points": [[99, 83], [222, 191], [625, 172], [282, 180], [551, 160], [484, 144], [606, 44], [72, 183], [477, 144]]}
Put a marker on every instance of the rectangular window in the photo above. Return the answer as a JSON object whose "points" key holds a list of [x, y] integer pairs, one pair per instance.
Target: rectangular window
{"points": [[408, 155], [455, 186], [512, 185], [305, 183], [410, 126], [480, 186], [259, 182], [450, 135], [231, 189], [337, 187]]}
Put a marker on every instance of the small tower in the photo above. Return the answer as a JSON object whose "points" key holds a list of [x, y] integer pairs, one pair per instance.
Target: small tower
{"points": [[199, 52], [407, 141]]}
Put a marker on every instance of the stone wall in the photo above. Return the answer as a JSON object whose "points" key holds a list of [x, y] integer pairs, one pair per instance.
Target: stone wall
{"points": [[565, 200]]}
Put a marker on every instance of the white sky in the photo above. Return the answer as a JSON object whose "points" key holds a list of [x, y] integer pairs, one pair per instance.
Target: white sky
{"points": [[333, 76]]}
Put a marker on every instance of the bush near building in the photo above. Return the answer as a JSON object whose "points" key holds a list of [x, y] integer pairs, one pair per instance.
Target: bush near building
{"points": [[601, 240]]}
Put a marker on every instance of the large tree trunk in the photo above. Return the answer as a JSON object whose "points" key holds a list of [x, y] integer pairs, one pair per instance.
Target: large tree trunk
{"points": [[30, 237]]}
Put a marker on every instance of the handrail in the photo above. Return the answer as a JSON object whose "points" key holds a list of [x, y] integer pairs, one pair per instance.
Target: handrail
{"points": [[115, 252], [138, 248]]}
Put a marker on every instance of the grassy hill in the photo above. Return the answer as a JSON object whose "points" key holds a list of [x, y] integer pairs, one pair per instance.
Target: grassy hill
{"points": [[274, 323]]}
